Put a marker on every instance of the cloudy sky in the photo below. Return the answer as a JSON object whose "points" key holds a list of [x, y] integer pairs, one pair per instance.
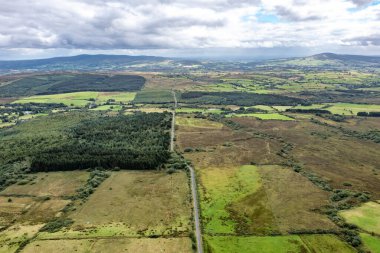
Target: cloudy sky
{"points": [[188, 28]]}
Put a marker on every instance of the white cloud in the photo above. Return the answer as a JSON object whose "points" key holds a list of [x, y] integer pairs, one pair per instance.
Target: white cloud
{"points": [[183, 24]]}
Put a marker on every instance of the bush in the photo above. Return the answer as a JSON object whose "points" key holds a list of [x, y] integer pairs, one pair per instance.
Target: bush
{"points": [[56, 225]]}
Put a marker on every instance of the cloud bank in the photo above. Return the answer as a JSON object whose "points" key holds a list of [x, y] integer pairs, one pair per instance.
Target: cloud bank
{"points": [[140, 25]]}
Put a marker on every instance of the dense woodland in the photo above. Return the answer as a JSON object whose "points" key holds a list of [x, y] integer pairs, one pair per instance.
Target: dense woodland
{"points": [[61, 83], [239, 98], [131, 142], [72, 141]]}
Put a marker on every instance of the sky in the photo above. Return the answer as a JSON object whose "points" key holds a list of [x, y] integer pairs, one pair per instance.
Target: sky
{"points": [[224, 29]]}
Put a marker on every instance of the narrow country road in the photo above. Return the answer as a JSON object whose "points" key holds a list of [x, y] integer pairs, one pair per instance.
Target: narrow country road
{"points": [[198, 233]]}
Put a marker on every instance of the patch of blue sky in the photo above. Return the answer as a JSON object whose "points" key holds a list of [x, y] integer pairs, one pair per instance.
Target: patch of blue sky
{"points": [[262, 18]]}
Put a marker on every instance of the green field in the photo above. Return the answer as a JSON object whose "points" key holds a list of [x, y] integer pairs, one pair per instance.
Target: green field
{"points": [[352, 109], [154, 97], [263, 116], [371, 243], [201, 110], [195, 122], [220, 190], [367, 217], [80, 99], [108, 107], [277, 244]]}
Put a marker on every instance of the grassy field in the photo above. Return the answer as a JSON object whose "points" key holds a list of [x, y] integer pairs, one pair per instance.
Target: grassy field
{"points": [[128, 245], [201, 110], [195, 122], [108, 107], [80, 99], [367, 217], [52, 184], [277, 244], [133, 203], [263, 116], [12, 237], [154, 97], [371, 243], [220, 188], [352, 109]]}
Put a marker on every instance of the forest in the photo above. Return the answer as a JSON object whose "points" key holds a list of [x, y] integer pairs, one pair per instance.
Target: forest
{"points": [[63, 83], [239, 98], [77, 141]]}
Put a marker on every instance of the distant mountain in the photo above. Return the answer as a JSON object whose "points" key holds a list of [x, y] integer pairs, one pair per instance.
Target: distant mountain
{"points": [[325, 60], [153, 63], [80, 62], [347, 57]]}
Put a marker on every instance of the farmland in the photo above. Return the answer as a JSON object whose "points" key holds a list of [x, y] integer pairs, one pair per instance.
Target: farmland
{"points": [[282, 160]]}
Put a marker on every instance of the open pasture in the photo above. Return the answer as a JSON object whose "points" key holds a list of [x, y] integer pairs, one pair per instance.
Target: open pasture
{"points": [[371, 243], [53, 184], [127, 245], [326, 152], [366, 217], [14, 236], [277, 244], [198, 123], [80, 99], [263, 116], [137, 202]]}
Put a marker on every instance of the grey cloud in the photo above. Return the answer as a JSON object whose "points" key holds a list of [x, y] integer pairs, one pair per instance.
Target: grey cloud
{"points": [[293, 16], [372, 40], [361, 2]]}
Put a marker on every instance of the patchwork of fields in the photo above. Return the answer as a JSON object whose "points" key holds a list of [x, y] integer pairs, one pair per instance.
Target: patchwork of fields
{"points": [[283, 163]]}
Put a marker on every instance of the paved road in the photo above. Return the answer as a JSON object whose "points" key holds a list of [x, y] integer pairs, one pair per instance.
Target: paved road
{"points": [[198, 233]]}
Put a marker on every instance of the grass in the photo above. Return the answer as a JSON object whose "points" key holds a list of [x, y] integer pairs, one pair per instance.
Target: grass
{"points": [[263, 116], [12, 237], [108, 107], [127, 245], [352, 109], [195, 122], [366, 216], [277, 244], [80, 99], [137, 202], [70, 99], [50, 184], [154, 97], [222, 187], [201, 110], [371, 243]]}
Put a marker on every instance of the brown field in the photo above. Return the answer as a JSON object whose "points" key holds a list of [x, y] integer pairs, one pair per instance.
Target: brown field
{"points": [[142, 201], [141, 245], [50, 184], [328, 153], [294, 200], [11, 238], [154, 81], [226, 147], [27, 209]]}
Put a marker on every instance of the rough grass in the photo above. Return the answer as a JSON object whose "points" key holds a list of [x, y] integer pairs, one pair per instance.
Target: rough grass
{"points": [[219, 189], [201, 110], [352, 109], [80, 98], [366, 216], [50, 184], [195, 122], [128, 245], [154, 97], [277, 244], [371, 243], [137, 202], [263, 116], [12, 237]]}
